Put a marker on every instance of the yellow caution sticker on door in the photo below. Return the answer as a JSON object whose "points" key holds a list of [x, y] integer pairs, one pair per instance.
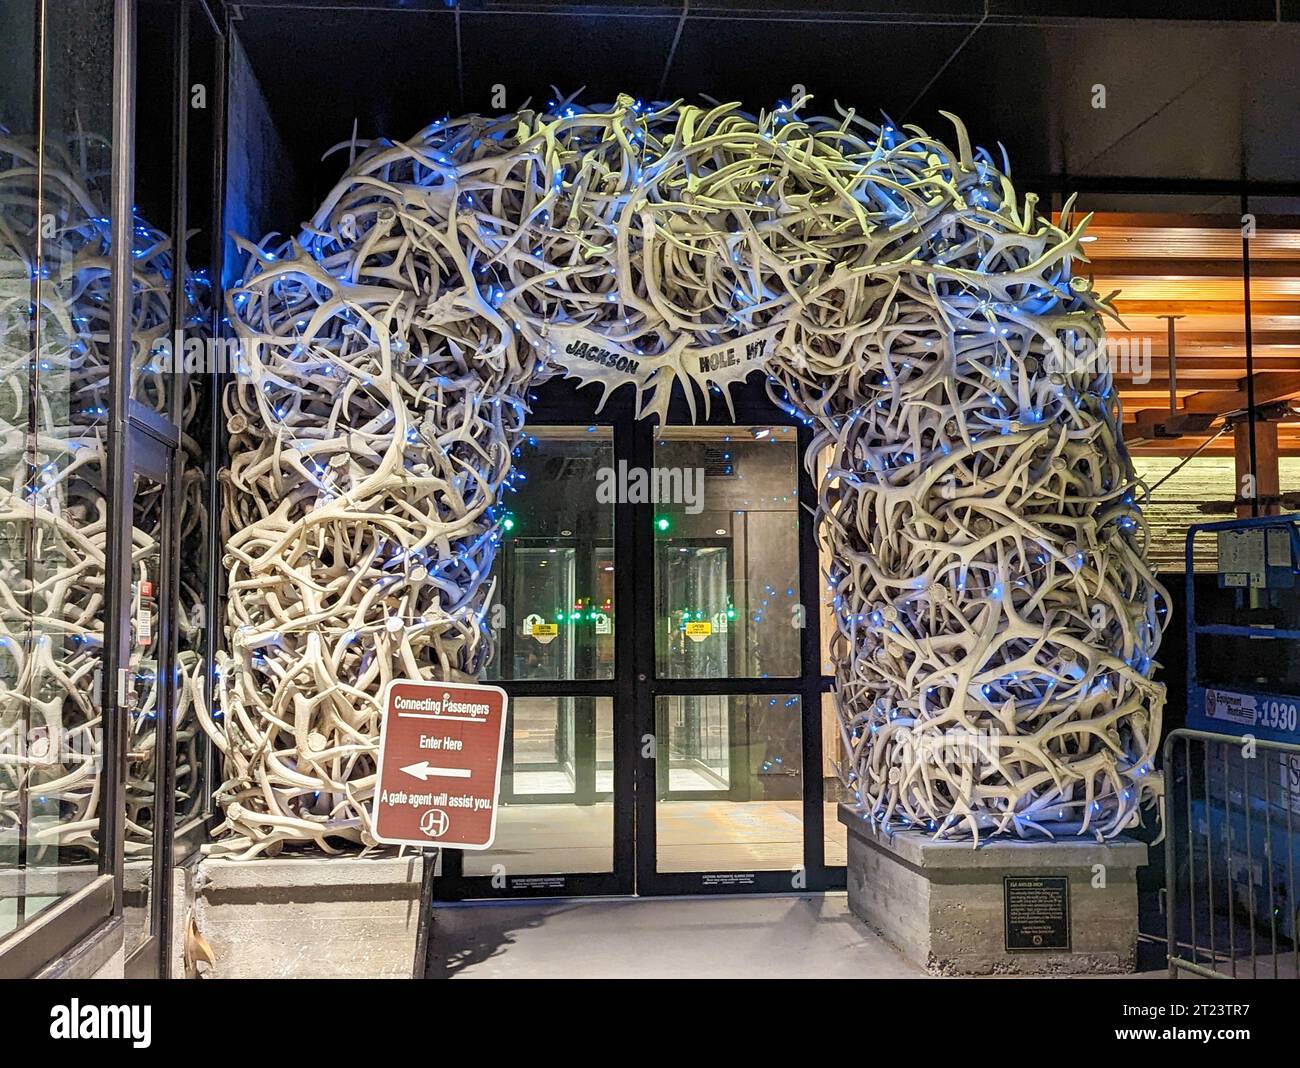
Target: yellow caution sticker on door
{"points": [[699, 630], [545, 632]]}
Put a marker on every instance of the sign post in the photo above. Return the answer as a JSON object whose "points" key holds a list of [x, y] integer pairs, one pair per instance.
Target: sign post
{"points": [[439, 776]]}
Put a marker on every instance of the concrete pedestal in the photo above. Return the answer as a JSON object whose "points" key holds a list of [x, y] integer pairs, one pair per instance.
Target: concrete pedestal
{"points": [[305, 918], [944, 905]]}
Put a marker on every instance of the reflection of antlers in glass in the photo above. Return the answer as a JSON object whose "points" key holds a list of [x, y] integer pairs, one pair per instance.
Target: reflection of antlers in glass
{"points": [[987, 552], [54, 352]]}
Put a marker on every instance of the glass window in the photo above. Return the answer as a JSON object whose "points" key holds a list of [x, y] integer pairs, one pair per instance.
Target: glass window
{"points": [[143, 767], [727, 552], [559, 745], [730, 790], [554, 571], [825, 590], [834, 788], [557, 805], [55, 285]]}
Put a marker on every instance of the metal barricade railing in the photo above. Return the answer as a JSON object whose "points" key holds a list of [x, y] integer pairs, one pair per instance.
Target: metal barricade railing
{"points": [[1231, 850]]}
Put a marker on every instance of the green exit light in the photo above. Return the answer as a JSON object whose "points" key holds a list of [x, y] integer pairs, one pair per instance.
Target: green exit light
{"points": [[508, 523], [663, 524]]}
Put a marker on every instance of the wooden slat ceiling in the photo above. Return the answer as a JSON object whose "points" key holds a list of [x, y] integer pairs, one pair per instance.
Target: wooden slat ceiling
{"points": [[1191, 266]]}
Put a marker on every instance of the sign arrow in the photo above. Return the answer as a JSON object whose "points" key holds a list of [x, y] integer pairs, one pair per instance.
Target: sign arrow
{"points": [[424, 770]]}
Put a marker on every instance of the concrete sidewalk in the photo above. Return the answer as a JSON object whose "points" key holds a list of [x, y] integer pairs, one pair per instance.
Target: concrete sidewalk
{"points": [[792, 937]]}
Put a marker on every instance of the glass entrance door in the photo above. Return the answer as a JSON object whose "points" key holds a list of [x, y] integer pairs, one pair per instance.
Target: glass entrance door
{"points": [[733, 667], [563, 825], [650, 609]]}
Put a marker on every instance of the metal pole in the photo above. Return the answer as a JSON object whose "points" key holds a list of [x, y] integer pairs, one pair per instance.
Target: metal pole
{"points": [[1172, 358], [217, 440], [420, 967], [118, 558], [1171, 887], [1250, 358]]}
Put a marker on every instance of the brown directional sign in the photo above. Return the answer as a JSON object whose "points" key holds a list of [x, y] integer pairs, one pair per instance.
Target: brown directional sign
{"points": [[439, 764]]}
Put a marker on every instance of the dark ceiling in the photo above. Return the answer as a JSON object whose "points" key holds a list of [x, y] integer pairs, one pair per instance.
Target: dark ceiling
{"points": [[1211, 95]]}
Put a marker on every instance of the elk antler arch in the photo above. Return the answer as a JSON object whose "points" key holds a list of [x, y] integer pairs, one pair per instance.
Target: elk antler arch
{"points": [[978, 507]]}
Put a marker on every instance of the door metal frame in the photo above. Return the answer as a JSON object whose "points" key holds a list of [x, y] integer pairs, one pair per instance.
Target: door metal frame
{"points": [[152, 453], [634, 686]]}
